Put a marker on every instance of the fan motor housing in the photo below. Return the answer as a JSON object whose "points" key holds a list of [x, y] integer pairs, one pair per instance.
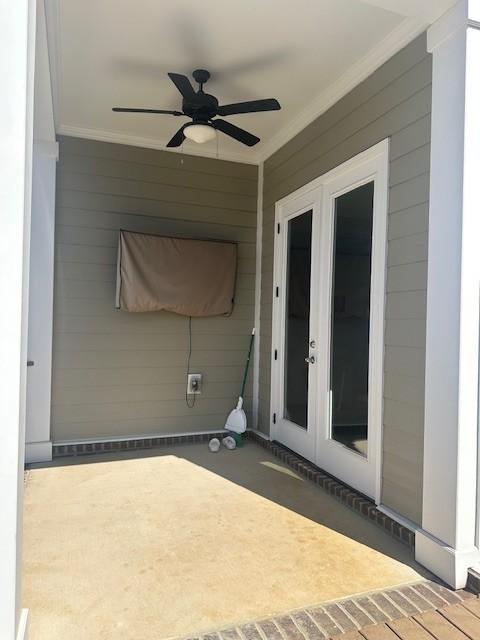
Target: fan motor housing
{"points": [[201, 106]]}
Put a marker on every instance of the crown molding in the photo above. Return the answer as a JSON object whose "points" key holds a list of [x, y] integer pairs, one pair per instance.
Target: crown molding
{"points": [[407, 31], [450, 22], [461, 16], [151, 143]]}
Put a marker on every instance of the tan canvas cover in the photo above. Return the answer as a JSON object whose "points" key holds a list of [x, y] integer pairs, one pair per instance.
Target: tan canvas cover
{"points": [[190, 277]]}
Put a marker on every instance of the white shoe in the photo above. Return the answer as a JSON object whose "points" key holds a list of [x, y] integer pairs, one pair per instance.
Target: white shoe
{"points": [[214, 445], [229, 442]]}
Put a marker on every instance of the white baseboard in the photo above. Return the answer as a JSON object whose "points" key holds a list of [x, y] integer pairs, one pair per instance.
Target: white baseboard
{"points": [[451, 565], [22, 633], [38, 451]]}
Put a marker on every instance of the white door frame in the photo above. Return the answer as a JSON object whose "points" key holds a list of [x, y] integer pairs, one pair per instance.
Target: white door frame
{"points": [[369, 165]]}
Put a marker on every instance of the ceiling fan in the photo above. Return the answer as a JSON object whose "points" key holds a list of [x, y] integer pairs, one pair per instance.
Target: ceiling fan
{"points": [[203, 109]]}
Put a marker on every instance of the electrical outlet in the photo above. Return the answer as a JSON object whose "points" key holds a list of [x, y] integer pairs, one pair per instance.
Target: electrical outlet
{"points": [[194, 383]]}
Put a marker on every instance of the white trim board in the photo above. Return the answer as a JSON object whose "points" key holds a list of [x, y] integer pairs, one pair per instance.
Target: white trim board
{"points": [[46, 148], [258, 297], [38, 451], [446, 562], [396, 40]]}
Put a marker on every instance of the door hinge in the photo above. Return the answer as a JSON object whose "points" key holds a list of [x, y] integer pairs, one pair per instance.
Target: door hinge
{"points": [[275, 354], [274, 418], [276, 292], [278, 227]]}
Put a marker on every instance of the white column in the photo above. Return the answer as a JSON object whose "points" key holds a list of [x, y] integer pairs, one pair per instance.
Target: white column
{"points": [[17, 47], [446, 544], [40, 315], [40, 326], [258, 299]]}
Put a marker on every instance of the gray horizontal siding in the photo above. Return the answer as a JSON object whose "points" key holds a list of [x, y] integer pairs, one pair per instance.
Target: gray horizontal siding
{"points": [[394, 102], [118, 374]]}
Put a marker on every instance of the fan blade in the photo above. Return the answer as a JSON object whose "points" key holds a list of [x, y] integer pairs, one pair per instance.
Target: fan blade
{"points": [[183, 84], [178, 138], [253, 106], [235, 132], [129, 110]]}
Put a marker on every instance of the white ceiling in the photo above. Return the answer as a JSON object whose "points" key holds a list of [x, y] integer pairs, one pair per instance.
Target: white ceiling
{"points": [[306, 53]]}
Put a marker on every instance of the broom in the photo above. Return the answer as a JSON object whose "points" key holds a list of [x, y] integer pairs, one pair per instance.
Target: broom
{"points": [[237, 420]]}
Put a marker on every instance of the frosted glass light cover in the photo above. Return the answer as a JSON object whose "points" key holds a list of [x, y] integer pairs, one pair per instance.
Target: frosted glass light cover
{"points": [[199, 132]]}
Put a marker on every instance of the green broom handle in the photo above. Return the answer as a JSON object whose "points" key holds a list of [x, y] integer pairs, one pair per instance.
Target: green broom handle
{"points": [[248, 362]]}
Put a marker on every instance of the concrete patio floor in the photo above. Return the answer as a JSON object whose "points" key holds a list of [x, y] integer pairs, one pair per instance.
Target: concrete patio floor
{"points": [[178, 541]]}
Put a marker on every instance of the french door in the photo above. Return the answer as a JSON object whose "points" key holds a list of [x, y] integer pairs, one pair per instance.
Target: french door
{"points": [[329, 288], [297, 302]]}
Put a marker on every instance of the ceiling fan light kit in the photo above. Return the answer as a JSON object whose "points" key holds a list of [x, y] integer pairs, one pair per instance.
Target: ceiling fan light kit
{"points": [[203, 110], [199, 133]]}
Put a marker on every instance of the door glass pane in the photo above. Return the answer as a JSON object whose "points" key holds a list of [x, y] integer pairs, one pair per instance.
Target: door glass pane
{"points": [[297, 318], [352, 253]]}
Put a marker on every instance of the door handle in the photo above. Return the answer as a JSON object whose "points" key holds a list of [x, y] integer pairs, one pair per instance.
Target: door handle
{"points": [[310, 360]]}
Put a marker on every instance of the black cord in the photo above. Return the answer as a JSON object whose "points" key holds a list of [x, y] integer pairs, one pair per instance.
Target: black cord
{"points": [[187, 402]]}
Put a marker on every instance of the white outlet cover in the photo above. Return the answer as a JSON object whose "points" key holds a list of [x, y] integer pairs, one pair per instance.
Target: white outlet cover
{"points": [[190, 381]]}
